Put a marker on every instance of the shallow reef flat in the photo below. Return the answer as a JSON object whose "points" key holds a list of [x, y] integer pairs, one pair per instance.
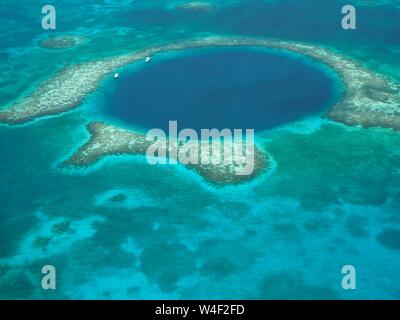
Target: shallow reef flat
{"points": [[62, 92], [109, 140]]}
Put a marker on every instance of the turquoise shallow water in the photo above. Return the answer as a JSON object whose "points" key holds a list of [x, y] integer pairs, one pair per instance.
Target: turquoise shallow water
{"points": [[124, 229]]}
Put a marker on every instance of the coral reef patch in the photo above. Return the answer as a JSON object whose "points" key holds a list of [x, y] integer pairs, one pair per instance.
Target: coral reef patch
{"points": [[110, 140], [61, 41]]}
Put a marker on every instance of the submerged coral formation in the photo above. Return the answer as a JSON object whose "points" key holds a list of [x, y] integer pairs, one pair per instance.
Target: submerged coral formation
{"points": [[196, 6], [52, 236], [61, 41], [41, 242], [61, 227], [118, 198], [4, 268], [389, 238]]}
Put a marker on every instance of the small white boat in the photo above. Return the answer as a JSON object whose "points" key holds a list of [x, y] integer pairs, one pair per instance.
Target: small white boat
{"points": [[147, 60], [116, 75]]}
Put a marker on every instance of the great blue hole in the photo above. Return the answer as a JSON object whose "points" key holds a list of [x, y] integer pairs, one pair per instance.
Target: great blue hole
{"points": [[224, 87]]}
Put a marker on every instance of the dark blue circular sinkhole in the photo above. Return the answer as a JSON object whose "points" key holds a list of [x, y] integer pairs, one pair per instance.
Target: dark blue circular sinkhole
{"points": [[242, 88]]}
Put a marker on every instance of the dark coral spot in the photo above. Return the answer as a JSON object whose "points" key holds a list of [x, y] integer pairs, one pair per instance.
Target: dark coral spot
{"points": [[389, 238], [283, 285], [218, 267], [118, 198]]}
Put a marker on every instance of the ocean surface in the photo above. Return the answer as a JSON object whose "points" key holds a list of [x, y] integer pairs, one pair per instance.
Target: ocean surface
{"points": [[122, 229]]}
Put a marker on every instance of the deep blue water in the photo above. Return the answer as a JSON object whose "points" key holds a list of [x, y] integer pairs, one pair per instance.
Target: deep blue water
{"points": [[221, 88]]}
